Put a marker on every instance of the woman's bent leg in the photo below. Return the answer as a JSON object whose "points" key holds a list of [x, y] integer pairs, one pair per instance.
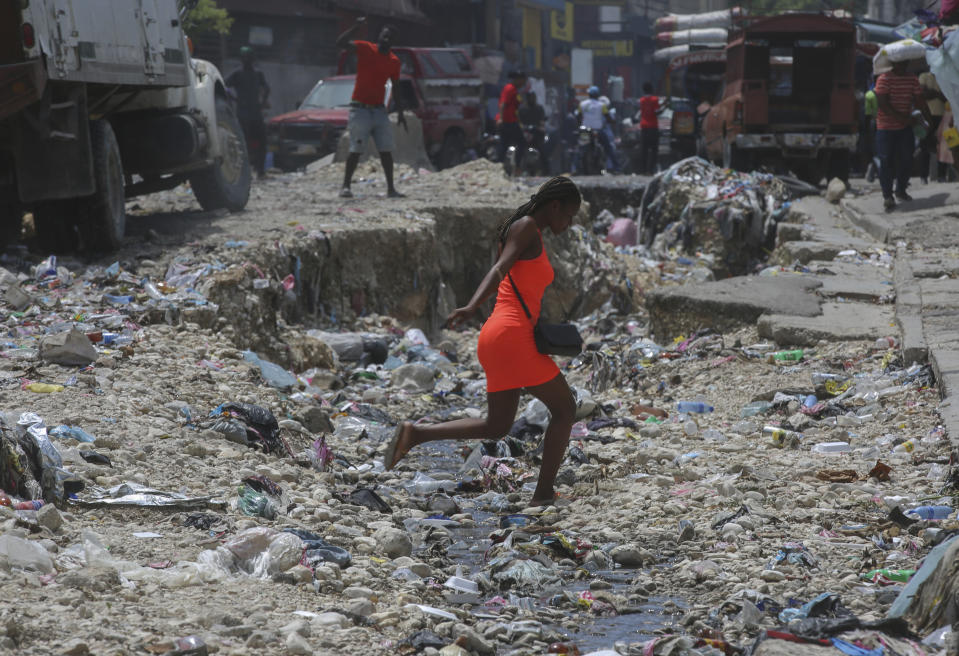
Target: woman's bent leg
{"points": [[558, 398], [501, 410]]}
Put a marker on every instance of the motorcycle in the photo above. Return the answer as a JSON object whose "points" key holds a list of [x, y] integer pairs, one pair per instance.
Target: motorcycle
{"points": [[533, 160], [589, 158], [490, 146]]}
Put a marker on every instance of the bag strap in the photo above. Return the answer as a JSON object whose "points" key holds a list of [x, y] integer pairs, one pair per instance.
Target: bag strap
{"points": [[519, 296]]}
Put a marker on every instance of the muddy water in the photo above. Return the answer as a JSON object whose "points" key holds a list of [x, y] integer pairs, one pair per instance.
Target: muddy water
{"points": [[637, 623]]}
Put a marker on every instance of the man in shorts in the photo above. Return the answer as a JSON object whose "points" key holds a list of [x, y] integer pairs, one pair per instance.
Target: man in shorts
{"points": [[375, 64]]}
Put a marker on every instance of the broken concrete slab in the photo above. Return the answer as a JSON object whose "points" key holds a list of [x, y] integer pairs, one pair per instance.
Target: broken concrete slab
{"points": [[853, 280], [939, 293], [934, 265], [939, 328], [729, 304], [909, 313], [805, 251], [838, 322], [71, 348], [945, 364]]}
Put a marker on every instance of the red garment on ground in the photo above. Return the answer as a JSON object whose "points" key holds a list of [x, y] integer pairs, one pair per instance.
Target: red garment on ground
{"points": [[648, 106], [506, 348], [509, 101], [902, 90], [372, 71]]}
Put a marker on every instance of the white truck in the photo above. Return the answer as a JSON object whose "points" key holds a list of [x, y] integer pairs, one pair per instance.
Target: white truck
{"points": [[101, 100]]}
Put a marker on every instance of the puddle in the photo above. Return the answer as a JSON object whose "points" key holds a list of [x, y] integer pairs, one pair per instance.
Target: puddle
{"points": [[640, 622]]}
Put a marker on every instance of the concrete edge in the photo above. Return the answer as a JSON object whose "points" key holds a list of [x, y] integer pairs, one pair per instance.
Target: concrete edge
{"points": [[909, 311], [875, 228]]}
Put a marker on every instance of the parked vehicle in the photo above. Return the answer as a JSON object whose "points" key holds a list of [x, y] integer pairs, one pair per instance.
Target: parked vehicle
{"points": [[94, 111], [438, 85], [788, 99], [532, 161]]}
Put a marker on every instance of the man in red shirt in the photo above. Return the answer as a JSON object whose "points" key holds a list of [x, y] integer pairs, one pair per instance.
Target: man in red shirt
{"points": [[898, 93], [375, 64], [649, 111], [507, 120]]}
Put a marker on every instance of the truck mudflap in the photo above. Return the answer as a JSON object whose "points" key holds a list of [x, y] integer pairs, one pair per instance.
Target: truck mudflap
{"points": [[812, 142], [21, 85]]}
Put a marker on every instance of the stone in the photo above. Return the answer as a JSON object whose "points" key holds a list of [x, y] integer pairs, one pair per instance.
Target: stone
{"points": [[772, 576], [393, 542], [49, 517], [330, 620], [71, 348], [835, 191], [316, 420], [630, 555], [308, 352], [297, 644], [413, 378], [361, 607]]}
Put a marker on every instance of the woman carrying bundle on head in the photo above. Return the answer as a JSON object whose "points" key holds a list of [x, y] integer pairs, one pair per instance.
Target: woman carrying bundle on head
{"points": [[506, 348]]}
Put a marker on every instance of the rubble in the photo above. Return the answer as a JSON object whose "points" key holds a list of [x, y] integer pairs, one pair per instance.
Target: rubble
{"points": [[221, 508]]}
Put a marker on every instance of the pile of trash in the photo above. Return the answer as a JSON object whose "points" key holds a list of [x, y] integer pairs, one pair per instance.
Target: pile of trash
{"points": [[695, 206]]}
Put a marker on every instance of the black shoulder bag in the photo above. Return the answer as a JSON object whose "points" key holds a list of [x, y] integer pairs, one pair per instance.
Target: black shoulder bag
{"points": [[551, 338]]}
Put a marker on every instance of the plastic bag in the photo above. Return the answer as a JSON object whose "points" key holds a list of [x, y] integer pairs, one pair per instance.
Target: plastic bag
{"points": [[24, 554]]}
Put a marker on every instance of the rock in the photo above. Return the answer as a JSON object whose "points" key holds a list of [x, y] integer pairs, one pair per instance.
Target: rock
{"points": [[71, 348], [49, 517], [772, 576], [443, 504], [296, 626], [474, 642], [630, 555], [308, 352], [835, 191], [316, 420], [90, 579], [413, 378], [330, 620], [297, 644], [393, 542], [361, 607]]}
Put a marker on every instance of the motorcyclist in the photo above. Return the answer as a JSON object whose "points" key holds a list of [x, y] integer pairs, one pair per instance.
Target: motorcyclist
{"points": [[594, 114], [532, 114]]}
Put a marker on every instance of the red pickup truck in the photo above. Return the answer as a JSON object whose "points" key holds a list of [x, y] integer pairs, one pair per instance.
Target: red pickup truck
{"points": [[788, 99], [438, 85]]}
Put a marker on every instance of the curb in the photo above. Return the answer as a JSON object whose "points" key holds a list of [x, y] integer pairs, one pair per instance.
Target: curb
{"points": [[909, 311], [875, 228]]}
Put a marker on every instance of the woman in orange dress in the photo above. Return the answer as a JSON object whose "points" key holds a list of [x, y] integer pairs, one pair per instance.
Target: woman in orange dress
{"points": [[506, 349]]}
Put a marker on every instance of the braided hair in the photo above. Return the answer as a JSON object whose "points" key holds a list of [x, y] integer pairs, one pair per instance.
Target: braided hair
{"points": [[559, 188]]}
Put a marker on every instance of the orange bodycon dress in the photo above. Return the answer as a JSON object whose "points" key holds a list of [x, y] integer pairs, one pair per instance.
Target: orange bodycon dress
{"points": [[506, 348]]}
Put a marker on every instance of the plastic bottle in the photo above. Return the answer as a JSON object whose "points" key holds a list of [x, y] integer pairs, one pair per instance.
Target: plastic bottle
{"points": [[820, 378], [906, 447], [72, 432], [754, 408], [714, 435], [579, 430], [931, 512], [794, 355], [900, 575], [690, 427], [884, 343], [255, 504], [5, 500], [688, 407], [44, 388], [780, 436], [27, 505], [831, 447]]}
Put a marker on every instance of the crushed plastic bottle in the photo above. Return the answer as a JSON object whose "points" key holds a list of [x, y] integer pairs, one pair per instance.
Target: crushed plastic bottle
{"points": [[714, 435], [754, 408], [782, 437], [690, 427], [71, 432], [423, 484], [898, 575], [831, 447], [255, 504], [794, 355], [931, 512], [906, 447], [697, 407]]}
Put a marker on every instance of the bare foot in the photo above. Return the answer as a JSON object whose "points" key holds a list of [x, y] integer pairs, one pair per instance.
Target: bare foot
{"points": [[534, 503], [399, 446]]}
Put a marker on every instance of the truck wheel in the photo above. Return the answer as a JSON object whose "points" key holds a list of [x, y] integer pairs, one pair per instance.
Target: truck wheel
{"points": [[839, 164], [452, 151], [227, 182], [55, 222], [733, 157], [103, 222], [11, 216]]}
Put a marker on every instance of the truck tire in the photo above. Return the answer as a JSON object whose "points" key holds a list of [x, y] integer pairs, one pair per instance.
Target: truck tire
{"points": [[227, 182], [55, 222], [103, 221], [733, 157], [11, 216], [453, 150]]}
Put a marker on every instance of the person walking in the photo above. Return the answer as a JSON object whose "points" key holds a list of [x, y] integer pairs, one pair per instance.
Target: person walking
{"points": [[375, 65], [506, 348], [507, 119], [897, 93], [649, 111], [532, 114], [252, 97]]}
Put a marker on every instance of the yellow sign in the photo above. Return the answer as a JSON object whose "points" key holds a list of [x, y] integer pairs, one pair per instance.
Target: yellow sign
{"points": [[561, 23], [604, 48]]}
